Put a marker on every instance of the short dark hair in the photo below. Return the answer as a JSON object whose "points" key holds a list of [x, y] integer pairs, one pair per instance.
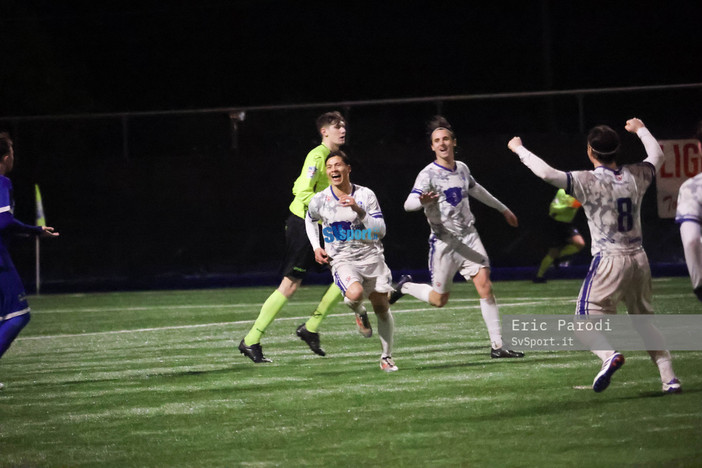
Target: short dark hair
{"points": [[698, 131], [329, 118], [5, 144], [604, 142], [340, 154]]}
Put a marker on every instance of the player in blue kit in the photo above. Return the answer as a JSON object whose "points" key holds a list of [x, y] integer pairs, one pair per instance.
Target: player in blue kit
{"points": [[14, 310], [689, 215], [611, 197], [353, 227]]}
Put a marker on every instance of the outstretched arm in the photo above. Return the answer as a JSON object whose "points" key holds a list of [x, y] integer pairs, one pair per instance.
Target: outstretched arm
{"points": [[416, 200], [653, 149], [537, 165], [481, 194], [9, 223]]}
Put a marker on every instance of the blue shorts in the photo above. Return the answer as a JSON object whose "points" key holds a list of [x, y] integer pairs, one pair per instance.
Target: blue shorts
{"points": [[13, 299]]}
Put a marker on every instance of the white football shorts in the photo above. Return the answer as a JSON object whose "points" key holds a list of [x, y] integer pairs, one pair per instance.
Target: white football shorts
{"points": [[374, 277], [612, 279], [444, 261]]}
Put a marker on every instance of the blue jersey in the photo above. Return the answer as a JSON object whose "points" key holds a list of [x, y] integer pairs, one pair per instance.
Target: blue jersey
{"points": [[13, 301], [7, 203], [7, 207]]}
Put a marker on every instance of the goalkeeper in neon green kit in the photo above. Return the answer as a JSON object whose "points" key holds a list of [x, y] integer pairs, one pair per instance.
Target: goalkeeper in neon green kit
{"points": [[564, 238], [299, 256]]}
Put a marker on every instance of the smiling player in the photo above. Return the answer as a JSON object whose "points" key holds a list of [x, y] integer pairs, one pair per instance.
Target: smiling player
{"points": [[350, 212], [298, 253], [441, 190]]}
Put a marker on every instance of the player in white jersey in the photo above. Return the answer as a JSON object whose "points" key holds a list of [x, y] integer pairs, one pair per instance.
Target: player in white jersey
{"points": [[352, 227], [689, 216], [611, 197], [298, 254], [442, 189]]}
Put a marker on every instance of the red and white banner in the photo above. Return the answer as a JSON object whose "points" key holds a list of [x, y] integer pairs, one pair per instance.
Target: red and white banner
{"points": [[682, 161]]}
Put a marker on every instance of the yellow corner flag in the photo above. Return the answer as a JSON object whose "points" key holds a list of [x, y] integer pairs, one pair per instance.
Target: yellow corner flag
{"points": [[41, 220]]}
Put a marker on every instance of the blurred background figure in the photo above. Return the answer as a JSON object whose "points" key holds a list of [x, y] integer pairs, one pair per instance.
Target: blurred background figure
{"points": [[563, 237]]}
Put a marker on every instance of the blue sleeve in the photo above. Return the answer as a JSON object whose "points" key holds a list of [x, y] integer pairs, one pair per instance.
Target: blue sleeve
{"points": [[8, 223], [5, 197]]}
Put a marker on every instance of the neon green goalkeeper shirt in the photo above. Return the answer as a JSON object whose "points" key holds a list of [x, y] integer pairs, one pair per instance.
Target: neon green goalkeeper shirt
{"points": [[563, 207], [312, 179]]}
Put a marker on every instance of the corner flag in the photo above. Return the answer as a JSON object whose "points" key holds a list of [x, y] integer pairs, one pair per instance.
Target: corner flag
{"points": [[41, 220]]}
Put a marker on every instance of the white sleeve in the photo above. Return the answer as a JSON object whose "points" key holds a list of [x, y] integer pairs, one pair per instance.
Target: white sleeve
{"points": [[312, 229], [421, 184], [653, 149], [375, 223], [412, 203], [691, 235], [479, 192], [541, 169], [374, 217]]}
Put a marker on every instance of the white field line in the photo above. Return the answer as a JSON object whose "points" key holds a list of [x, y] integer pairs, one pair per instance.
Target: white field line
{"points": [[502, 305], [242, 322], [187, 307], [501, 302]]}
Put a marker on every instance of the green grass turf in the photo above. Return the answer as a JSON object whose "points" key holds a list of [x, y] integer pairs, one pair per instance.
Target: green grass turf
{"points": [[155, 379]]}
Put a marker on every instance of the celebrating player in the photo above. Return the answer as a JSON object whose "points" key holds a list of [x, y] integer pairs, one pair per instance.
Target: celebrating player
{"points": [[14, 310], [564, 238], [442, 189], [352, 228], [689, 216], [298, 253], [611, 197]]}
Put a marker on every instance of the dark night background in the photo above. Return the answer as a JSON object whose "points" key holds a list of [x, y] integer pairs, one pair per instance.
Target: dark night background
{"points": [[66, 57], [179, 206]]}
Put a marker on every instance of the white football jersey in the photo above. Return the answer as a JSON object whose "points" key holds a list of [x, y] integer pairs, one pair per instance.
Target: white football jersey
{"points": [[612, 202], [690, 201], [453, 207], [346, 236]]}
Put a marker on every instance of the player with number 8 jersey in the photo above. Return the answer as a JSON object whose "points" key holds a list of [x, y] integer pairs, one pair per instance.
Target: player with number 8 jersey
{"points": [[611, 196], [612, 204]]}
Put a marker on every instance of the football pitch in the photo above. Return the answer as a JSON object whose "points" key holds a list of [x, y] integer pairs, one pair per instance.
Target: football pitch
{"points": [[155, 379]]}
